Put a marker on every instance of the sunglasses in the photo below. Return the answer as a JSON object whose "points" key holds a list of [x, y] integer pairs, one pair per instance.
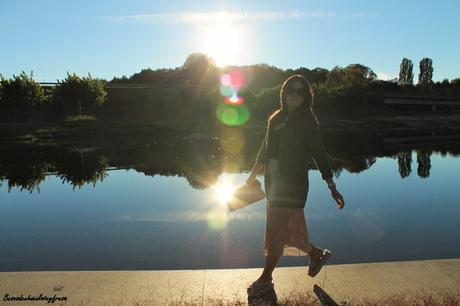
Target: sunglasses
{"points": [[292, 91]]}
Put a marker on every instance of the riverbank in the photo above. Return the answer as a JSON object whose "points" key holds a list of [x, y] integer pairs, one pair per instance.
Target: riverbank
{"points": [[80, 130], [385, 283]]}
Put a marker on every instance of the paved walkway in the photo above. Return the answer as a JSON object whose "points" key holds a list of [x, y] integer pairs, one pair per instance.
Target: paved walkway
{"points": [[345, 282]]}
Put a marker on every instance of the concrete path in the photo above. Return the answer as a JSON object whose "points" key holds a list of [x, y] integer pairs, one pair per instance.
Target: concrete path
{"points": [[344, 282]]}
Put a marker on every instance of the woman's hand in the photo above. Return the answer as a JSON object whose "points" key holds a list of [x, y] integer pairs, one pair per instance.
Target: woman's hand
{"points": [[255, 170], [338, 198]]}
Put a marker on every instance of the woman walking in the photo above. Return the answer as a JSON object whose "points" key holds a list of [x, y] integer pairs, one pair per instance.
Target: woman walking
{"points": [[291, 140]]}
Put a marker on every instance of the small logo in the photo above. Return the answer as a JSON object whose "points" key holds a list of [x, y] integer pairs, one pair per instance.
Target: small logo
{"points": [[58, 288]]}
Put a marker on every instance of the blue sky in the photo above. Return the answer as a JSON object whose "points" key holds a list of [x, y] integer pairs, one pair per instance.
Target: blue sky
{"points": [[115, 38]]}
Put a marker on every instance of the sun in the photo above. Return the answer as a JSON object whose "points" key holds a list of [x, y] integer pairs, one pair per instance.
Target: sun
{"points": [[223, 191], [224, 194], [223, 41]]}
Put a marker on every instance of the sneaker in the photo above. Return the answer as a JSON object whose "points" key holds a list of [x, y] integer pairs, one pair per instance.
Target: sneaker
{"points": [[315, 266]]}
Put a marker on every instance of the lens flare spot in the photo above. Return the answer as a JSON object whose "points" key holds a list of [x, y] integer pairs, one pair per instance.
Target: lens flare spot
{"points": [[237, 78], [217, 218], [232, 115], [232, 140], [234, 100], [233, 162], [226, 79], [226, 91]]}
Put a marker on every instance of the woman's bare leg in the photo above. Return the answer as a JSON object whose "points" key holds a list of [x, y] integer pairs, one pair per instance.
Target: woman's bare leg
{"points": [[270, 264], [271, 261]]}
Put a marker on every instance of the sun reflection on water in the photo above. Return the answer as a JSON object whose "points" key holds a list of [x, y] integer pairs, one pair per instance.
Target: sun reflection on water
{"points": [[223, 191], [218, 216]]}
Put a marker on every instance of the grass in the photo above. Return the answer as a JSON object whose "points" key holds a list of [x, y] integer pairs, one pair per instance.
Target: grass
{"points": [[90, 128], [80, 118]]}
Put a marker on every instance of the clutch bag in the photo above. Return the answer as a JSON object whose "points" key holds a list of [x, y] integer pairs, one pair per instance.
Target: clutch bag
{"points": [[245, 195]]}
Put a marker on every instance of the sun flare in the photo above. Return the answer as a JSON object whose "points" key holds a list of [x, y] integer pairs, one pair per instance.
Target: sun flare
{"points": [[222, 41], [223, 191]]}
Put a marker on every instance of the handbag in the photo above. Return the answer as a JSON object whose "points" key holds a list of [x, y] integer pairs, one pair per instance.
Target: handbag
{"points": [[245, 195]]}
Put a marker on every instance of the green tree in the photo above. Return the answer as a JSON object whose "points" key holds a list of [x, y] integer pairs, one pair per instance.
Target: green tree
{"points": [[315, 76], [80, 92], [352, 75], [1, 85], [150, 76], [21, 91], [198, 60], [345, 90], [426, 72], [406, 74], [200, 70], [361, 71], [266, 102]]}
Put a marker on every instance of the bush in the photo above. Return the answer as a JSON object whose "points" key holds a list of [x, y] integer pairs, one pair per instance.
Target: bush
{"points": [[77, 95], [21, 91]]}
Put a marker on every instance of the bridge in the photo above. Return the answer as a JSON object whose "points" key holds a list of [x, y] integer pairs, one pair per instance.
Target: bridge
{"points": [[421, 100]]}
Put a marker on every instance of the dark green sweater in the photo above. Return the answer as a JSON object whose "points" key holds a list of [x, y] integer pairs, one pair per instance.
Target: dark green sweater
{"points": [[294, 143]]}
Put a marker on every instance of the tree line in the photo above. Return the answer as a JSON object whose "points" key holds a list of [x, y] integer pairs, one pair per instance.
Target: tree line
{"points": [[23, 98], [191, 93], [26, 166]]}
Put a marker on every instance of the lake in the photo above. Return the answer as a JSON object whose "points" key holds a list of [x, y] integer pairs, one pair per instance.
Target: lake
{"points": [[128, 204]]}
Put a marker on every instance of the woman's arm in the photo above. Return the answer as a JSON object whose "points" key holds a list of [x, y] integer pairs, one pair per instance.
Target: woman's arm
{"points": [[260, 160], [255, 170], [319, 153], [322, 162]]}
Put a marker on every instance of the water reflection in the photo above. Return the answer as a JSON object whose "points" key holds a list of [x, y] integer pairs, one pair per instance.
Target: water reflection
{"points": [[27, 167], [200, 161], [158, 204]]}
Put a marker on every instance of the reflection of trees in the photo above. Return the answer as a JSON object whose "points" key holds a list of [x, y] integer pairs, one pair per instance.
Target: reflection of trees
{"points": [[337, 172], [81, 168], [356, 164], [424, 163], [196, 157], [202, 181], [361, 164], [404, 163], [195, 160], [203, 166], [199, 177], [26, 175], [27, 167]]}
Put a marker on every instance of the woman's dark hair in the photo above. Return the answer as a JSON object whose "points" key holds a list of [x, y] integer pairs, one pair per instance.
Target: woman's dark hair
{"points": [[305, 110]]}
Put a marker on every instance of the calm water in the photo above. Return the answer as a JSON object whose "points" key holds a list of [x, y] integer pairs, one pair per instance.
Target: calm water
{"points": [[156, 204]]}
